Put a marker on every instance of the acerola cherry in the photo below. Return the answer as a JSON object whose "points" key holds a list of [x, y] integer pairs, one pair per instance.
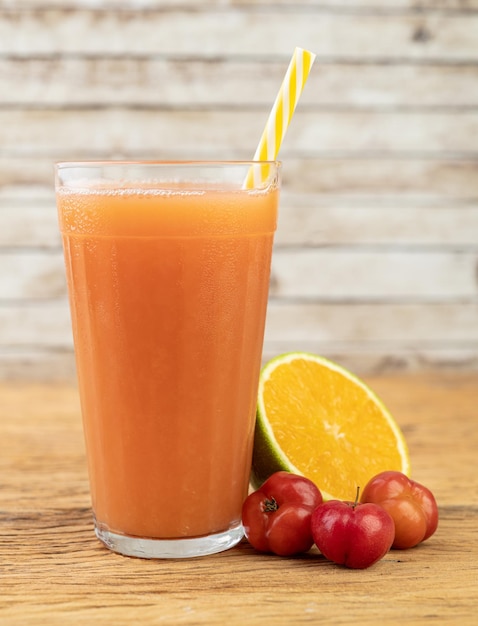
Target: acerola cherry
{"points": [[352, 534], [276, 517], [412, 506]]}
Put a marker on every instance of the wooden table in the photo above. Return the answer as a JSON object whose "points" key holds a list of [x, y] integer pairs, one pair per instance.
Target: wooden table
{"points": [[54, 571]]}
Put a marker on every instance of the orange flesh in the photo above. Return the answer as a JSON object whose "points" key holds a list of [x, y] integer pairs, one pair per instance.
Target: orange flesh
{"points": [[330, 430]]}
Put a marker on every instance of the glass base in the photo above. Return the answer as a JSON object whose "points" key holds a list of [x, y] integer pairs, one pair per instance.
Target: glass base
{"points": [[170, 548]]}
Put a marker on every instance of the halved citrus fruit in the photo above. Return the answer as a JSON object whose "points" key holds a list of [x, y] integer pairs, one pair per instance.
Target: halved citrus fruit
{"points": [[316, 419]]}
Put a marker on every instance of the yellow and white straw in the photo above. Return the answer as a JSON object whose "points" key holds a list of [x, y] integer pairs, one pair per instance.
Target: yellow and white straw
{"points": [[281, 113]]}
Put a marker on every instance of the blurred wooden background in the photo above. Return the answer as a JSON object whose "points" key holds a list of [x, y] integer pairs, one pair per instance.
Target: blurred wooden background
{"points": [[376, 257]]}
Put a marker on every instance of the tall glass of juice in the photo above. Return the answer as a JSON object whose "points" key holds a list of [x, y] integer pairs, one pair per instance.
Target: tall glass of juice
{"points": [[168, 268]]}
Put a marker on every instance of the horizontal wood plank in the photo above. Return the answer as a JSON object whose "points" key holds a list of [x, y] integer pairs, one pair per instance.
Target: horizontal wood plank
{"points": [[315, 220], [50, 364], [47, 324], [28, 219], [29, 225], [312, 133], [155, 82], [31, 275], [330, 275], [366, 6], [377, 176], [36, 325], [405, 325], [387, 175], [317, 274], [367, 358], [458, 6], [37, 364], [225, 30]]}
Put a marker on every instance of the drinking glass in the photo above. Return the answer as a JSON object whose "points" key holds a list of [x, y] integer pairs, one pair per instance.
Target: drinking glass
{"points": [[168, 266]]}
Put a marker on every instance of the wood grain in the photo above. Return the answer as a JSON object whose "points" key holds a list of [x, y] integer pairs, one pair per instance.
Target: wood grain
{"points": [[376, 251], [396, 177], [47, 324], [28, 219], [337, 34], [148, 81], [54, 571], [343, 275], [128, 131], [411, 6]]}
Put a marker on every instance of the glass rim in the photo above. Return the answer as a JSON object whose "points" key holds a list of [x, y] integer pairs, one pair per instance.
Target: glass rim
{"points": [[176, 162]]}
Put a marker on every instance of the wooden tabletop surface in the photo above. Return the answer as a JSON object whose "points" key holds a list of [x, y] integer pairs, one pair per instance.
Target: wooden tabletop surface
{"points": [[54, 571]]}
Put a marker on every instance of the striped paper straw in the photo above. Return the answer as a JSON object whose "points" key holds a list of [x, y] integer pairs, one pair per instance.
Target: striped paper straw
{"points": [[281, 113]]}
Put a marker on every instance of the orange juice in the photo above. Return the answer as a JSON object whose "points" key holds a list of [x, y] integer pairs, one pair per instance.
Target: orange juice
{"points": [[168, 289]]}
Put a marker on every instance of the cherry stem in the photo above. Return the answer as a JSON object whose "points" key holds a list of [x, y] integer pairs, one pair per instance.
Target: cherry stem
{"points": [[357, 497], [270, 505]]}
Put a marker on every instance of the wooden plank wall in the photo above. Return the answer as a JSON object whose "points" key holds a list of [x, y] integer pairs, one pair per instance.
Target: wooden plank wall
{"points": [[376, 258]]}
